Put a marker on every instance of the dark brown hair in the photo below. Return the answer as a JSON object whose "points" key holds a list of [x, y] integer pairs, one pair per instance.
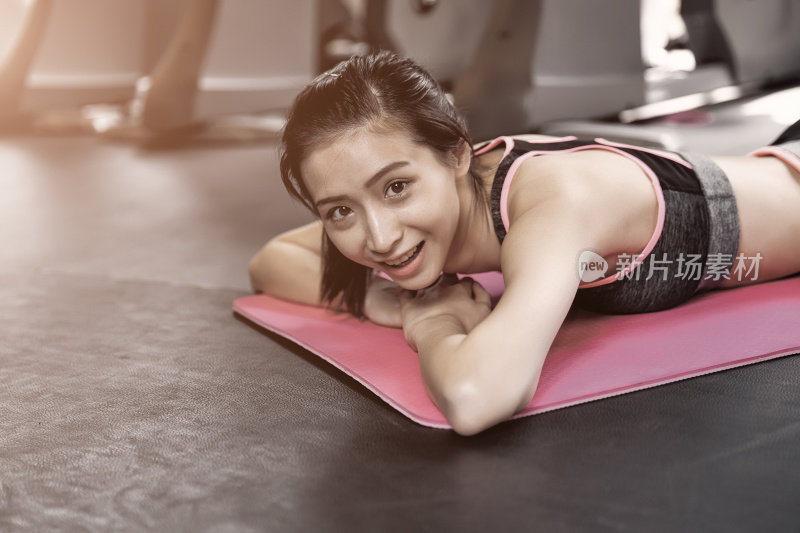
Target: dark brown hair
{"points": [[380, 89]]}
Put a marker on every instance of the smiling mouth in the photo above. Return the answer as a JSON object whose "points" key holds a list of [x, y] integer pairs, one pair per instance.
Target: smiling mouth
{"points": [[408, 258]]}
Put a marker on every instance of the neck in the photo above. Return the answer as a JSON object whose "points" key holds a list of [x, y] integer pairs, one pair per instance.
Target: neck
{"points": [[475, 246]]}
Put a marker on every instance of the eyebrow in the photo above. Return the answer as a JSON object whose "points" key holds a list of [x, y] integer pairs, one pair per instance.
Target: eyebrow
{"points": [[370, 182]]}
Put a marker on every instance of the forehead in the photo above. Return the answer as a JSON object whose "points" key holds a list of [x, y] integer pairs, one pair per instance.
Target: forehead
{"points": [[352, 158]]}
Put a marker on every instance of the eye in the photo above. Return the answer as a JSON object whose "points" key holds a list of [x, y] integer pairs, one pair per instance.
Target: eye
{"points": [[396, 188], [339, 212]]}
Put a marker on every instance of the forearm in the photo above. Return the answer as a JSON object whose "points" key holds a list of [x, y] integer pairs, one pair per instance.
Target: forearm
{"points": [[474, 384], [437, 348], [460, 380]]}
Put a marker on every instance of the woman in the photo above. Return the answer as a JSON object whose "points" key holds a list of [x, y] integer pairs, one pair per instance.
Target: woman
{"points": [[374, 149]]}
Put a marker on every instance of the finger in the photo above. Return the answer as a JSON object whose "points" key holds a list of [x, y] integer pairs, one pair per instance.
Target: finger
{"points": [[465, 284], [480, 295]]}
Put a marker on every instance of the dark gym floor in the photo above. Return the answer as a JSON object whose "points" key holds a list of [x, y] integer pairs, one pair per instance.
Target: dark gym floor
{"points": [[132, 399]]}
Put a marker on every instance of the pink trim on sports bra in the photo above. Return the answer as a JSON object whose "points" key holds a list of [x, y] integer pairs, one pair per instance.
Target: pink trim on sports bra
{"points": [[650, 174], [493, 144], [657, 153], [510, 143], [776, 151]]}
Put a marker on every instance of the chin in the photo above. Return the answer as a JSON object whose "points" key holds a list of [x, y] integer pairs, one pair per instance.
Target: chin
{"points": [[418, 284], [410, 285]]}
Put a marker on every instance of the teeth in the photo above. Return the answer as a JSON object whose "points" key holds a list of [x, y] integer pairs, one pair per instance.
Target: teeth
{"points": [[405, 258]]}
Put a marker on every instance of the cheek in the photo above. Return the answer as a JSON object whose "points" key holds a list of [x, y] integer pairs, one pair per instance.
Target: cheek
{"points": [[447, 209], [348, 244], [439, 200]]}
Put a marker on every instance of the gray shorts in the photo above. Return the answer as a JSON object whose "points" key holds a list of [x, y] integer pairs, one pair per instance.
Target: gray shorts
{"points": [[695, 251], [723, 220], [723, 216], [701, 222]]}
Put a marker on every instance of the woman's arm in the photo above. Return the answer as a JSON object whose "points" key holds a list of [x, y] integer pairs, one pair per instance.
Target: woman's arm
{"points": [[480, 377], [289, 266]]}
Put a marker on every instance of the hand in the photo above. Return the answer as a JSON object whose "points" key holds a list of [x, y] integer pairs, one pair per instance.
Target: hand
{"points": [[382, 303], [464, 302]]}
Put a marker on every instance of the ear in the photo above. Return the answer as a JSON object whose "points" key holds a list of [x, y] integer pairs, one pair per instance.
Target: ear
{"points": [[463, 158]]}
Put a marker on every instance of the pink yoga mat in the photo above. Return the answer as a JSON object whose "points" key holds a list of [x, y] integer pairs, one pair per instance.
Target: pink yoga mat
{"points": [[594, 356]]}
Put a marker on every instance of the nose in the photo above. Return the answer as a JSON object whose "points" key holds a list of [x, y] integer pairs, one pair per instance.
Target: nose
{"points": [[383, 232]]}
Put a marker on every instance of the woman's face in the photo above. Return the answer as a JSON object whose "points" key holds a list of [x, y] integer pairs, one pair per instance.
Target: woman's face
{"points": [[387, 203]]}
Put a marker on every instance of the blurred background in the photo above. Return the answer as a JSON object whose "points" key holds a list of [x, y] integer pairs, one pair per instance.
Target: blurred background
{"points": [[643, 70]]}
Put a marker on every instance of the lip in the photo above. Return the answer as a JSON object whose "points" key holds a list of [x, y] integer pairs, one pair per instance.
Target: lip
{"points": [[407, 269]]}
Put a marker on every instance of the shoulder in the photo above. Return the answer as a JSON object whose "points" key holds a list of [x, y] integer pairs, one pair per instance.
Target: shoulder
{"points": [[551, 177], [570, 188]]}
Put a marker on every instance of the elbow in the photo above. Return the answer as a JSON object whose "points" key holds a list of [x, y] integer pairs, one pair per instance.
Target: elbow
{"points": [[260, 270], [287, 271], [471, 409], [254, 271], [467, 426]]}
